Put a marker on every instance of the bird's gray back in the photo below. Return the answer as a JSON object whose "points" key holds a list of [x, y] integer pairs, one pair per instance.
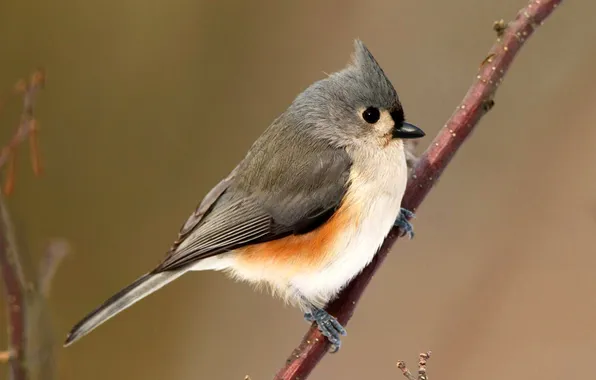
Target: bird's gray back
{"points": [[291, 173], [288, 183]]}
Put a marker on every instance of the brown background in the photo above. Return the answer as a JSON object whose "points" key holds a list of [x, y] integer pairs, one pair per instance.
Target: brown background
{"points": [[149, 103]]}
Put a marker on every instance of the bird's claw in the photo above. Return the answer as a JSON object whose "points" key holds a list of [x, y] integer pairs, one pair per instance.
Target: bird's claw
{"points": [[328, 325], [403, 223]]}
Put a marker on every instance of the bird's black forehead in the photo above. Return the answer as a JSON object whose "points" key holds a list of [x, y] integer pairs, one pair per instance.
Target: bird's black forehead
{"points": [[398, 115]]}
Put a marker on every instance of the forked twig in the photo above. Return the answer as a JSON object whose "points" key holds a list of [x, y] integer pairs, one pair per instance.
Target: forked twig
{"points": [[422, 360], [30, 342]]}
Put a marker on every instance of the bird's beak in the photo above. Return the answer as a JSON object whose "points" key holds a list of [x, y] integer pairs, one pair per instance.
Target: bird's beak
{"points": [[407, 131]]}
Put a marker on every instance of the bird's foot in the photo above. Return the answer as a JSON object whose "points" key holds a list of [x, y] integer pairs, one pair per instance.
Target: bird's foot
{"points": [[328, 325], [403, 223]]}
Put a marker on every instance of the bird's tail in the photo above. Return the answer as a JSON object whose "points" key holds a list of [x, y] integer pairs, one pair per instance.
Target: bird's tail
{"points": [[125, 298]]}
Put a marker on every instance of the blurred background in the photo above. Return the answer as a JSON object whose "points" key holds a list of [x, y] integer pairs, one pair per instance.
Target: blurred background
{"points": [[150, 103]]}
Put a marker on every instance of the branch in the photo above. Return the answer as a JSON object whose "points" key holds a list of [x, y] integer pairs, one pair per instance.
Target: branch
{"points": [[55, 253], [30, 344], [15, 290], [477, 102], [27, 129], [422, 361]]}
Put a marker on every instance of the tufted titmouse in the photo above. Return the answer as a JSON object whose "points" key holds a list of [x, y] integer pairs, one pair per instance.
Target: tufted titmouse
{"points": [[307, 208]]}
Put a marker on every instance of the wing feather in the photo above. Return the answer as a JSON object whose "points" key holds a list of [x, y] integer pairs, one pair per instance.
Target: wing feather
{"points": [[223, 229], [273, 193]]}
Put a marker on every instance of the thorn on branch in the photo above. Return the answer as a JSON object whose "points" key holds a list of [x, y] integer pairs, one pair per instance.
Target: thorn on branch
{"points": [[488, 105], [422, 360], [499, 27], [488, 59]]}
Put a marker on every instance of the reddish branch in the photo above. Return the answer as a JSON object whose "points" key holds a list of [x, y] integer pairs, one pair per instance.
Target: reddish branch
{"points": [[27, 129], [29, 341], [10, 263], [14, 285], [477, 102]]}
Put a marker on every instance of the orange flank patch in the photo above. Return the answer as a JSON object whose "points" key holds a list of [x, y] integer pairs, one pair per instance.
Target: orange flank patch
{"points": [[300, 253]]}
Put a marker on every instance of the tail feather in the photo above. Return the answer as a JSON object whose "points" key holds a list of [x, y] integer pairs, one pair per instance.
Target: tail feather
{"points": [[120, 301]]}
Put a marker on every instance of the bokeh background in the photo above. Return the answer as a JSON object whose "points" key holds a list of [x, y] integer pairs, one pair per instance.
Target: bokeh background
{"points": [[149, 103]]}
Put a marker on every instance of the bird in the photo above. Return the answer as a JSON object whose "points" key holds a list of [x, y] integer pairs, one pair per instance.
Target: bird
{"points": [[309, 205]]}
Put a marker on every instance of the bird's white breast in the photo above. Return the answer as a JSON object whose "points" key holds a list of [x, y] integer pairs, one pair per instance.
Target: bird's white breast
{"points": [[378, 181]]}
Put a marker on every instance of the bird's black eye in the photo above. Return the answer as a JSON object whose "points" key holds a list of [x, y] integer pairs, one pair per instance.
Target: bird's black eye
{"points": [[371, 115]]}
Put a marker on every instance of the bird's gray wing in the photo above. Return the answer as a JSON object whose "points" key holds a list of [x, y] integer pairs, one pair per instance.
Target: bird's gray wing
{"points": [[206, 204], [271, 200]]}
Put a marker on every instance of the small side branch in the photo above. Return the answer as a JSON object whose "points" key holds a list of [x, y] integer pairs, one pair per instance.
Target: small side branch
{"points": [[15, 289], [55, 253], [422, 360], [27, 129], [428, 168]]}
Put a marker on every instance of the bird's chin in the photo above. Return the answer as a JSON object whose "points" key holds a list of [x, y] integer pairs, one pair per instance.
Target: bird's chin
{"points": [[386, 139]]}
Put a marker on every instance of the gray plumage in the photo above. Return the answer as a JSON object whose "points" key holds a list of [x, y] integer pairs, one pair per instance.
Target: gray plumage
{"points": [[298, 168], [291, 181]]}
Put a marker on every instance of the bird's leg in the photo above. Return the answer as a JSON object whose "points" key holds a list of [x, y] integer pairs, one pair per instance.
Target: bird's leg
{"points": [[403, 223], [328, 325]]}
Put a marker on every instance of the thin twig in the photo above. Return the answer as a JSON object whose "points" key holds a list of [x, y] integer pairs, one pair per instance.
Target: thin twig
{"points": [[27, 129], [422, 361], [55, 253], [477, 102], [15, 288]]}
